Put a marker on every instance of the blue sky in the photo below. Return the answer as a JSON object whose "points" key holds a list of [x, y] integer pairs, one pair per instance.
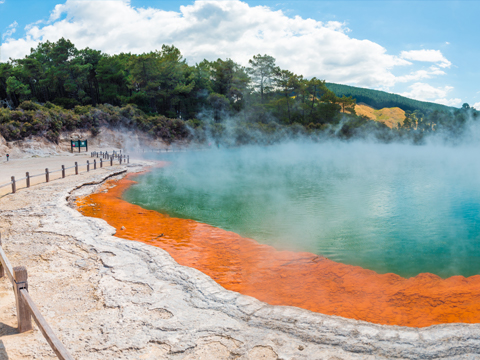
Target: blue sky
{"points": [[427, 50]]}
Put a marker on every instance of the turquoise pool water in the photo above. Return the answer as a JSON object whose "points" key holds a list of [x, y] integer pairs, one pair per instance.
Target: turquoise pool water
{"points": [[388, 208]]}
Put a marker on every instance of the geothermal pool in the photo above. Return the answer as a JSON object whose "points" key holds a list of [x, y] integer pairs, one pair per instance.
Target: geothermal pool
{"points": [[389, 208], [381, 233]]}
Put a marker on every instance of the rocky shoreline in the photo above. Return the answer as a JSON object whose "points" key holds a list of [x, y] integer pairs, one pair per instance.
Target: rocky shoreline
{"points": [[109, 298]]}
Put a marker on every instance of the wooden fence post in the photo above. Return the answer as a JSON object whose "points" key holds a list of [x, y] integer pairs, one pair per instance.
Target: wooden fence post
{"points": [[47, 175], [111, 161], [88, 165], [94, 164], [101, 162], [14, 185], [120, 160], [76, 168], [63, 171], [28, 179], [24, 318]]}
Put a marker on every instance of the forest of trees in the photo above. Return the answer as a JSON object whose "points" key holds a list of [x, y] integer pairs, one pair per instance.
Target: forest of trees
{"points": [[381, 99], [59, 87]]}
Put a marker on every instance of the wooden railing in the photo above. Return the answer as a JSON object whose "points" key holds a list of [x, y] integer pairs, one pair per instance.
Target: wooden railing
{"points": [[13, 182], [26, 308], [113, 154], [119, 155]]}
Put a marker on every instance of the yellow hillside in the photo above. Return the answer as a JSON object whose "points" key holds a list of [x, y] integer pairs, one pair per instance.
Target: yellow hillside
{"points": [[389, 116]]}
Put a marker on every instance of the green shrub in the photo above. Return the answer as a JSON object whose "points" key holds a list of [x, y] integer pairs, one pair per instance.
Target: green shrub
{"points": [[95, 131], [52, 136], [50, 119], [49, 105], [29, 105], [82, 110]]}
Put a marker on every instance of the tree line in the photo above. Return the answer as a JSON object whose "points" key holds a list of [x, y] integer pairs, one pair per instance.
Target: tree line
{"points": [[161, 82], [59, 87]]}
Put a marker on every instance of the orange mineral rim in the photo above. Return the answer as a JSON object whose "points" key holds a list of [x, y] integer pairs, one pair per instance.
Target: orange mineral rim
{"points": [[299, 279]]}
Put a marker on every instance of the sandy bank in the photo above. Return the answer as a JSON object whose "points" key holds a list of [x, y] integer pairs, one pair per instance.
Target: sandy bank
{"points": [[109, 298]]}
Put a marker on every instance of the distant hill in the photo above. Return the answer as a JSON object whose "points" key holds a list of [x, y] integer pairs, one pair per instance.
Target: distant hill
{"points": [[389, 116], [381, 99]]}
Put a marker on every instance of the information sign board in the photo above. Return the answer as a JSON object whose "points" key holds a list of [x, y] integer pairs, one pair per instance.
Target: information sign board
{"points": [[79, 144]]}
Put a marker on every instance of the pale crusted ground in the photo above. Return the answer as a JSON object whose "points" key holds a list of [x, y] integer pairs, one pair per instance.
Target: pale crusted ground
{"points": [[109, 298]]}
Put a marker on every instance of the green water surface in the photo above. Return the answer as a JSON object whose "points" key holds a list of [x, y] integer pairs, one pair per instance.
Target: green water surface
{"points": [[388, 208]]}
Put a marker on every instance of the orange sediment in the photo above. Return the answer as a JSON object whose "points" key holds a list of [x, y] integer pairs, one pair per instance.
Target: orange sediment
{"points": [[297, 279]]}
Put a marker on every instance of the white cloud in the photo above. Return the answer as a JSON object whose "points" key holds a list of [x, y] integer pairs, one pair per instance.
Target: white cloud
{"points": [[434, 56], [2, 1], [12, 28], [422, 91], [476, 105], [221, 29], [426, 92], [455, 102], [421, 74]]}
